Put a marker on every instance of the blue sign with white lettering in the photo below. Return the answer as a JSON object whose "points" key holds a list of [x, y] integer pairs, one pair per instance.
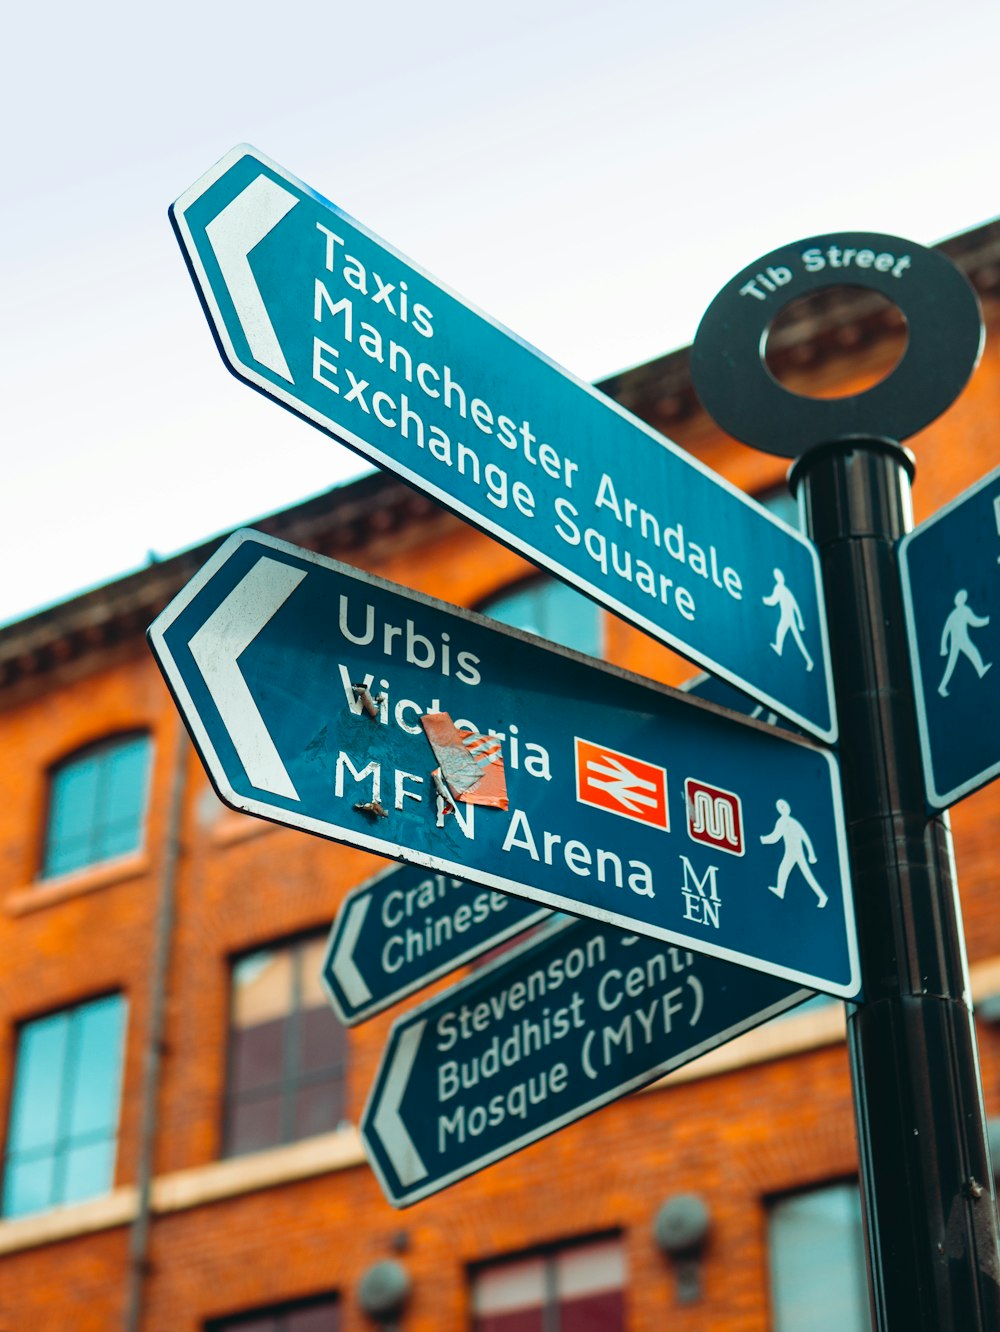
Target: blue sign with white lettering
{"points": [[572, 1020], [323, 317], [408, 927], [950, 567], [330, 700]]}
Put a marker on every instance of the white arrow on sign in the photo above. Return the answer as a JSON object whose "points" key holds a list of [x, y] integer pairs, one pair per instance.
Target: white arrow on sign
{"points": [[342, 963], [240, 226], [387, 1121], [216, 648]]}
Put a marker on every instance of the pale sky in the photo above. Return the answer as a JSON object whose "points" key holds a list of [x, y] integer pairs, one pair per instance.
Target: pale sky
{"points": [[589, 174]]}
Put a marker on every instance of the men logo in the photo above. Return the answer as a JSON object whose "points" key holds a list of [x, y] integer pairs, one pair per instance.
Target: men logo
{"points": [[621, 784], [714, 816]]}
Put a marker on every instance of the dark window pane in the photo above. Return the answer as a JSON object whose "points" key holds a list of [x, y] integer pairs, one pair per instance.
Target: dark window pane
{"points": [[287, 1056], [604, 1312], [514, 1320], [578, 1288], [254, 1125], [318, 1108], [316, 1316], [323, 1039], [259, 1055], [320, 1318]]}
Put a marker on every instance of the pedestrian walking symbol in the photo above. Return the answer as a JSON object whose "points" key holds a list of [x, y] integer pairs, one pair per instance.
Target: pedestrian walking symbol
{"points": [[790, 617], [798, 852], [951, 592], [955, 640]]}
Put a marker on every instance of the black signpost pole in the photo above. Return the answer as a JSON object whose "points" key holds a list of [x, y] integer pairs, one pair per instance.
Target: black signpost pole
{"points": [[927, 1185], [926, 1180]]}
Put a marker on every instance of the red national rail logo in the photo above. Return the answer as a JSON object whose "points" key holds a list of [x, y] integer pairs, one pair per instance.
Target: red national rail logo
{"points": [[621, 784]]}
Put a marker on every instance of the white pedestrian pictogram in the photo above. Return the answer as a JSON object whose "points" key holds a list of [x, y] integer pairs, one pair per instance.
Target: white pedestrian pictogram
{"points": [[798, 853], [955, 640], [789, 618]]}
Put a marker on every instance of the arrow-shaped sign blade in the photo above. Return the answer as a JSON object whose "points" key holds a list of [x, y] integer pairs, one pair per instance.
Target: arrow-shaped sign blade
{"points": [[264, 649], [326, 319], [343, 969], [386, 1120], [565, 1024], [408, 927], [217, 647], [237, 230]]}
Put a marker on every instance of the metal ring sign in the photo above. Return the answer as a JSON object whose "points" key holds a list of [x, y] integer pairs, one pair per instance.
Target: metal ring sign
{"points": [[945, 340]]}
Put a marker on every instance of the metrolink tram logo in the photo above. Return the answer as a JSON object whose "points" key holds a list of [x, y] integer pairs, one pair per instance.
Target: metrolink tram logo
{"points": [[621, 784], [714, 816]]}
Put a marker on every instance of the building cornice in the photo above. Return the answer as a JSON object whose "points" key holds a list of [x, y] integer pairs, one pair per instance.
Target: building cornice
{"points": [[339, 521], [833, 323]]}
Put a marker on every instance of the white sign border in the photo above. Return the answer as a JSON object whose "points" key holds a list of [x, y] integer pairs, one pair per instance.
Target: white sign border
{"points": [[414, 1015]]}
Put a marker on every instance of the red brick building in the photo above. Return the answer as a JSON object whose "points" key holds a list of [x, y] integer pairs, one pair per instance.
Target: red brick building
{"points": [[177, 1102]]}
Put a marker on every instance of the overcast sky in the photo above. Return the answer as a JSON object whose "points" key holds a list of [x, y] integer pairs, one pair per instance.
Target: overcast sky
{"points": [[590, 174]]}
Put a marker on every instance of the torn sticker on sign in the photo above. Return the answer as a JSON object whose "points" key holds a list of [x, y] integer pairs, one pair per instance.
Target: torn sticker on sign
{"points": [[471, 765]]}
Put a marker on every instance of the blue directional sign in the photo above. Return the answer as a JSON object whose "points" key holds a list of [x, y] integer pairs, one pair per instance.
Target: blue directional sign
{"points": [[324, 698], [569, 1022], [406, 928], [950, 567], [320, 315]]}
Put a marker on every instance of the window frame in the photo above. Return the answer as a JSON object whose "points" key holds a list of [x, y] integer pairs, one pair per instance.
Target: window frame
{"points": [[292, 1079], [235, 1322], [549, 1255], [95, 857], [64, 1140], [858, 1271]]}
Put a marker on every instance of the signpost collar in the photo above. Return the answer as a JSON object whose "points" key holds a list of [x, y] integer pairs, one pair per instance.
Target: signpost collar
{"points": [[944, 342]]}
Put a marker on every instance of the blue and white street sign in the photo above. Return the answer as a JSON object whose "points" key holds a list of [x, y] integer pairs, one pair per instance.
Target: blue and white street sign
{"points": [[408, 927], [575, 1018], [950, 567], [320, 315], [329, 700]]}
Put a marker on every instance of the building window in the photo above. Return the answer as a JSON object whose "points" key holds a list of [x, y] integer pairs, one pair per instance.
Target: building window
{"points": [[817, 1245], [309, 1316], [287, 1051], [97, 804], [551, 609], [64, 1110], [579, 1288]]}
